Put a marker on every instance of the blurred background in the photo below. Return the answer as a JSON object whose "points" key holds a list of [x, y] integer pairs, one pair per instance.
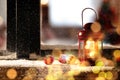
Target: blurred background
{"points": [[3, 23], [62, 20]]}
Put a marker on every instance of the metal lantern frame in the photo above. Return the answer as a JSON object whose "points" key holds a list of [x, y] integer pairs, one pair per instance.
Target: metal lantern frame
{"points": [[81, 54]]}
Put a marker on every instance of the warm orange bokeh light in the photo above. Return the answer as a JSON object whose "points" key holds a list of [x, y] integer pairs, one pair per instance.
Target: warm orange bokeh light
{"points": [[100, 78], [92, 48], [102, 74], [116, 53], [11, 73], [109, 75]]}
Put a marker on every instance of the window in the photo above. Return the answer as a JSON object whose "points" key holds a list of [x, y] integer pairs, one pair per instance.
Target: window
{"points": [[3, 24], [61, 20]]}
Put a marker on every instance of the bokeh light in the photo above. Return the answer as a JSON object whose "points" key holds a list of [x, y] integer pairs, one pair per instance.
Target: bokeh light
{"points": [[100, 78], [102, 74], [99, 63], [11, 73], [96, 70], [92, 54], [109, 75], [95, 27], [116, 53]]}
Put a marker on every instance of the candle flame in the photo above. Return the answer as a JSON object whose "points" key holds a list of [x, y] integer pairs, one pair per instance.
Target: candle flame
{"points": [[92, 48]]}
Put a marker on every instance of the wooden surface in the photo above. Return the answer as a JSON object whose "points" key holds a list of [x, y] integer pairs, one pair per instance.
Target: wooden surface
{"points": [[38, 70]]}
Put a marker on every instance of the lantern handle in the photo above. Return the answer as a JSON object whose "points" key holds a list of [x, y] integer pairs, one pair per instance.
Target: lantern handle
{"points": [[86, 9]]}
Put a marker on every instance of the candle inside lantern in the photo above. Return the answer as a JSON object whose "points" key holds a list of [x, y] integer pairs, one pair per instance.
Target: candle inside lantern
{"points": [[92, 48], [93, 42], [90, 42]]}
